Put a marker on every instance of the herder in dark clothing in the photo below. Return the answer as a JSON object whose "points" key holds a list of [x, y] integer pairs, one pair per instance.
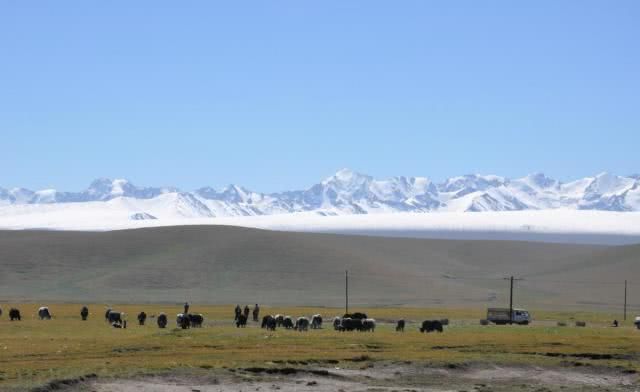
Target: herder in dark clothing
{"points": [[186, 308], [256, 312], [238, 312], [246, 311]]}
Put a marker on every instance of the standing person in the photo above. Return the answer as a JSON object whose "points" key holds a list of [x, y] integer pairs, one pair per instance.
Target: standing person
{"points": [[186, 308], [246, 311], [256, 312], [238, 312]]}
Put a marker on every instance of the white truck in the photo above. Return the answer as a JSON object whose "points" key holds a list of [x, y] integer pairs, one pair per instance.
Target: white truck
{"points": [[500, 316]]}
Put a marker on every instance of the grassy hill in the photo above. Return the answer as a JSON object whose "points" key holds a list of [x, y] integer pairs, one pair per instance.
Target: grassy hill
{"points": [[218, 264]]}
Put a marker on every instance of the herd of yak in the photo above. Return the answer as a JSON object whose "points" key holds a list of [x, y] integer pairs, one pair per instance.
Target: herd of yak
{"points": [[348, 322]]}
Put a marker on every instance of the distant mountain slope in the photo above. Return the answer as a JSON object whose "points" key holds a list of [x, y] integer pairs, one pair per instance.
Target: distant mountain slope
{"points": [[347, 192], [218, 264]]}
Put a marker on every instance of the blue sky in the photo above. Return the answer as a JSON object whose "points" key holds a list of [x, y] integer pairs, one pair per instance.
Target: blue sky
{"points": [[277, 95]]}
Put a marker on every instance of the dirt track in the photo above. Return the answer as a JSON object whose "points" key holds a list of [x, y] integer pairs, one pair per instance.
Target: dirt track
{"points": [[380, 377]]}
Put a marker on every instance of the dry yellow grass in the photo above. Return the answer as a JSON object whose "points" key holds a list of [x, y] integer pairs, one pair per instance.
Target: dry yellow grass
{"points": [[34, 351]]}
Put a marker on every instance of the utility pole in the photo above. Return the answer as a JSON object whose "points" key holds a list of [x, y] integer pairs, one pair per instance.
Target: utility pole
{"points": [[511, 302], [346, 291], [511, 279], [625, 300]]}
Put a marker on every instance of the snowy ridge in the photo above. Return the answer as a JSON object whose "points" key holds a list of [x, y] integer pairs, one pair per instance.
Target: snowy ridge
{"points": [[344, 193]]}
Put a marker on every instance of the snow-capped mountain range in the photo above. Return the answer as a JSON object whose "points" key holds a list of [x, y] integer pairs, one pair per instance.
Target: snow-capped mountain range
{"points": [[346, 192]]}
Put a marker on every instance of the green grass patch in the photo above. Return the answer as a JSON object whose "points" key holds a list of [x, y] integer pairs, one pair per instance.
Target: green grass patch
{"points": [[33, 351]]}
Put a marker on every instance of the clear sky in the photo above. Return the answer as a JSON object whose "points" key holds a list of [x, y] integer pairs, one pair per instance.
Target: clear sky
{"points": [[276, 95]]}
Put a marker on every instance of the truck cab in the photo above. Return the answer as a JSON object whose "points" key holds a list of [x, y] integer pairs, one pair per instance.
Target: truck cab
{"points": [[521, 316]]}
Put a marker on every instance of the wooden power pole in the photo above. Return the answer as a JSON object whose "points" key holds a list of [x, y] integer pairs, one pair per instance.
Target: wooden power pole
{"points": [[346, 291], [511, 280], [511, 301], [625, 300]]}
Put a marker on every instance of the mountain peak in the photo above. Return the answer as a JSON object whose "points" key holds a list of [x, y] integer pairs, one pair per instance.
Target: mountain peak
{"points": [[540, 180], [348, 192], [346, 174], [105, 187]]}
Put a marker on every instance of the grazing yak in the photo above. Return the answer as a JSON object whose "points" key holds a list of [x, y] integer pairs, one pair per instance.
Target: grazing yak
{"points": [[113, 317], [279, 320], [162, 320], [269, 322], [14, 314], [350, 324], [302, 324], [336, 323], [43, 313], [316, 321], [196, 320], [84, 313], [287, 322], [183, 321], [400, 326], [142, 317], [241, 322], [430, 326], [368, 324]]}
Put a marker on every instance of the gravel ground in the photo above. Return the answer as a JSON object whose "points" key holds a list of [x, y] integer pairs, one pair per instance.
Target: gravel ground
{"points": [[379, 377]]}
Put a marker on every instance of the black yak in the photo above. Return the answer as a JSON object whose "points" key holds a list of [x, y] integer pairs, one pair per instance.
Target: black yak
{"points": [[368, 324], [113, 317], [14, 314], [196, 320], [183, 321], [269, 322], [400, 326], [44, 313], [84, 313], [302, 324], [265, 320], [336, 323], [162, 320], [142, 317], [431, 326], [316, 321], [349, 324], [241, 322], [287, 322]]}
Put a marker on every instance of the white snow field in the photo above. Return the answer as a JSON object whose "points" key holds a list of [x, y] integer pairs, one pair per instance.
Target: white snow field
{"points": [[559, 225]]}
